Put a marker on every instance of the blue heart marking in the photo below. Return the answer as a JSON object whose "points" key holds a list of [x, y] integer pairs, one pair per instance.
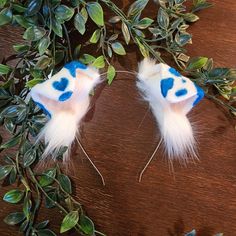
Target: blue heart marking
{"points": [[62, 85], [166, 85]]}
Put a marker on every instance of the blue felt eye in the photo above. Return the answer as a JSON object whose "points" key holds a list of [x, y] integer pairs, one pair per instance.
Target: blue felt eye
{"points": [[166, 85], [200, 94], [61, 85], [184, 80], [173, 71], [72, 66], [181, 92], [65, 96]]}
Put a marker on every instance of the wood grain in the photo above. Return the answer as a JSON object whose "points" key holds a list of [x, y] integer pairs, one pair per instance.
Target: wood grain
{"points": [[119, 140]]}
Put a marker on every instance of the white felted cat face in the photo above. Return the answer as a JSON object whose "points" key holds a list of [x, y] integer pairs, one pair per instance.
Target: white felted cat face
{"points": [[172, 90], [66, 88], [171, 96], [65, 98]]}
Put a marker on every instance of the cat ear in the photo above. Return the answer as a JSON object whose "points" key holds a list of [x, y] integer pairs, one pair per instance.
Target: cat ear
{"points": [[171, 96], [65, 98]]}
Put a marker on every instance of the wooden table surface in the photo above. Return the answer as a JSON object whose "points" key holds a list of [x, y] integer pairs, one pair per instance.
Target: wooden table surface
{"points": [[201, 196]]}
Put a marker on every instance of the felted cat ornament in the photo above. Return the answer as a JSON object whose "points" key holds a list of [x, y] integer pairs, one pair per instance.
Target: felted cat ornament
{"points": [[171, 96], [65, 98]]}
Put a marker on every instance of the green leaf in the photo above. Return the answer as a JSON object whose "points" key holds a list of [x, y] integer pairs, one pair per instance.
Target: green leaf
{"points": [[99, 62], [114, 19], [65, 183], [45, 232], [47, 177], [22, 21], [8, 123], [111, 73], [13, 196], [190, 17], [64, 13], [126, 33], [118, 48], [192, 233], [87, 59], [139, 33], [24, 226], [11, 142], [43, 44], [21, 48], [219, 73], [87, 225], [33, 82], [182, 39], [209, 65], [95, 36], [50, 202], [144, 23], [29, 157], [179, 1], [33, 7], [196, 63], [13, 175], [5, 16], [27, 206], [2, 3], [62, 150], [200, 5], [42, 224], [84, 13], [163, 18], [56, 27], [142, 49], [79, 23], [59, 56], [4, 171], [77, 51], [43, 63], [95, 12], [14, 218], [70, 221], [109, 51], [18, 7], [4, 69], [232, 75], [12, 111], [34, 33], [137, 7]]}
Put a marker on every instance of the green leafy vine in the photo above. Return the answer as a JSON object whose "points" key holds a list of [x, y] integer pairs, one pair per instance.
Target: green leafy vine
{"points": [[48, 26]]}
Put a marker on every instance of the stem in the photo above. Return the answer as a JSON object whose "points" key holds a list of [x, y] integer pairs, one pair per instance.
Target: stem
{"points": [[150, 49], [68, 42], [115, 9], [124, 18], [43, 191], [222, 103], [50, 18], [47, 196]]}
